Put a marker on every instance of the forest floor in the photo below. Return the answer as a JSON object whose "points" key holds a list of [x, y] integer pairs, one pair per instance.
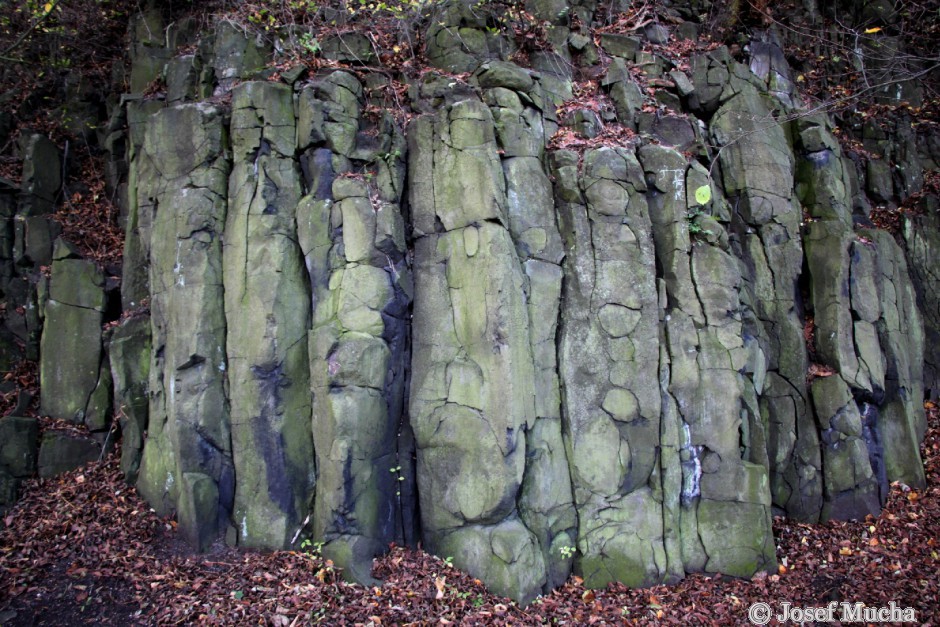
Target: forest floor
{"points": [[83, 548]]}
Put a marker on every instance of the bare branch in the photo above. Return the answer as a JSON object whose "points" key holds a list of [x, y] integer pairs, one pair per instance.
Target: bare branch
{"points": [[25, 34]]}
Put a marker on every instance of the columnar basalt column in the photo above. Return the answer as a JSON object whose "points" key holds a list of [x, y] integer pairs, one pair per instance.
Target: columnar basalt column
{"points": [[268, 311], [183, 182], [765, 220], [725, 520], [352, 232], [546, 503], [473, 381], [608, 340]]}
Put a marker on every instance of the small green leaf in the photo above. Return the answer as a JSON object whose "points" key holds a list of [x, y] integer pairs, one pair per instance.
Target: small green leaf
{"points": [[703, 194]]}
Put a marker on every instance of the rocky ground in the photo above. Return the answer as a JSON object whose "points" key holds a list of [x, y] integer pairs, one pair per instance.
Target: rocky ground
{"points": [[83, 548]]}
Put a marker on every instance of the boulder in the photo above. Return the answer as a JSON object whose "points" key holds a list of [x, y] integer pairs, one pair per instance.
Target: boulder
{"points": [[235, 55], [61, 451], [42, 175], [19, 443], [70, 364], [504, 74]]}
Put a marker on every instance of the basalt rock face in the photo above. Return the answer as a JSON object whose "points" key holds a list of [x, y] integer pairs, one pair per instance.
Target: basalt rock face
{"points": [[473, 371], [352, 235], [617, 356], [266, 327], [187, 463]]}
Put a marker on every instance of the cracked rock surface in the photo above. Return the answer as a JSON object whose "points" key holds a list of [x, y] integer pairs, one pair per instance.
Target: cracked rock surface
{"points": [[617, 360]]}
